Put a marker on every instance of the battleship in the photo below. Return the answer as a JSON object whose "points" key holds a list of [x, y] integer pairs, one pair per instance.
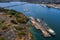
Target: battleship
{"points": [[41, 25]]}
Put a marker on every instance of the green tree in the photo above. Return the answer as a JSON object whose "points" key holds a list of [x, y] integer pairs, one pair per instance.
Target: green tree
{"points": [[21, 33], [19, 28], [2, 38], [4, 27]]}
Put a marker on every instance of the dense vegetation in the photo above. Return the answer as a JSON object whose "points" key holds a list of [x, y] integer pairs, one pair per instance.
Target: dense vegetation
{"points": [[19, 28], [19, 16], [3, 26], [11, 23], [2, 38], [21, 33]]}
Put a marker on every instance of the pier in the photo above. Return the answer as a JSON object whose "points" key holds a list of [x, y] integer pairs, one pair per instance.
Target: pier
{"points": [[43, 27]]}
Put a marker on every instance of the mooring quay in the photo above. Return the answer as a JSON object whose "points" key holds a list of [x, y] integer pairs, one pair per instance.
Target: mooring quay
{"points": [[41, 25]]}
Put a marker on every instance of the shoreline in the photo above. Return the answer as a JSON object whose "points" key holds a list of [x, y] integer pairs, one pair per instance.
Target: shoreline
{"points": [[18, 28], [56, 6]]}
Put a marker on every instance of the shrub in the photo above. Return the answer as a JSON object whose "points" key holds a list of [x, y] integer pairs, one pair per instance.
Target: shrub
{"points": [[4, 27], [2, 38], [19, 28], [21, 33]]}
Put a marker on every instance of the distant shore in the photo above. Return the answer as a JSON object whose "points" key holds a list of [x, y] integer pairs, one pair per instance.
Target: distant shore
{"points": [[57, 6]]}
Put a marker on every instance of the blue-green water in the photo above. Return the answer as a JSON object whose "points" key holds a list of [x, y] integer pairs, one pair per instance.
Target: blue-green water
{"points": [[50, 15]]}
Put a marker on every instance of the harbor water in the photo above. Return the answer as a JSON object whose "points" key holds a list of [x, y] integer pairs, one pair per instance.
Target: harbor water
{"points": [[50, 15]]}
